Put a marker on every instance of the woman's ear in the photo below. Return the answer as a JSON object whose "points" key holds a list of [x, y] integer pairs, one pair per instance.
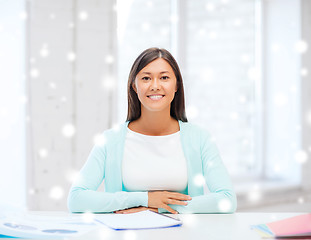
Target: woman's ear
{"points": [[134, 87]]}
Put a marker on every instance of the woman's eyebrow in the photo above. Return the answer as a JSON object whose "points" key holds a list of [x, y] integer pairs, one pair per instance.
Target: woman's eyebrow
{"points": [[151, 73]]}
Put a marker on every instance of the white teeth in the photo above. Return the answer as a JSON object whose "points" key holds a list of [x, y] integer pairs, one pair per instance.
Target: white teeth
{"points": [[155, 97]]}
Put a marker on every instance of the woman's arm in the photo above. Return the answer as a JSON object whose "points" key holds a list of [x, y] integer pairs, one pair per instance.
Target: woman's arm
{"points": [[83, 195], [222, 198]]}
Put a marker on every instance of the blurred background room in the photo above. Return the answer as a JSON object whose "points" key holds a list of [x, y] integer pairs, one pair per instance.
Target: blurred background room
{"points": [[246, 66]]}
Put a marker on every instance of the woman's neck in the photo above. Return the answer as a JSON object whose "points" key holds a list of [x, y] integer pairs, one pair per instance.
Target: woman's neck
{"points": [[155, 124]]}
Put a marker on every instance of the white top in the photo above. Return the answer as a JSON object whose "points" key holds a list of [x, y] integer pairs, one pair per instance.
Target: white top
{"points": [[154, 163]]}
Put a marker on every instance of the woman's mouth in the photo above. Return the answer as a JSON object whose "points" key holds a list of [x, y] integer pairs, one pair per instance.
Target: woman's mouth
{"points": [[155, 97]]}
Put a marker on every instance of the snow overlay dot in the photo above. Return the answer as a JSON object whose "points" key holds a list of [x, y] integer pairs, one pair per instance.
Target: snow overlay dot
{"points": [[301, 156], [56, 192], [83, 15], [43, 153], [71, 56], [68, 130], [224, 205], [301, 46], [199, 180], [99, 140]]}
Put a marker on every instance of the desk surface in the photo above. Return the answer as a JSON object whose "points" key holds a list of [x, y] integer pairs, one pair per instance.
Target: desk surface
{"points": [[195, 226]]}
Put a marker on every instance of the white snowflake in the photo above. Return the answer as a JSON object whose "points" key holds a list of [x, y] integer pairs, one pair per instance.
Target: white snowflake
{"points": [[68, 130], [52, 85], [109, 59], [301, 156], [301, 46], [300, 200], [224, 205], [72, 175], [83, 15], [88, 217], [190, 220], [199, 180], [109, 83], [34, 73], [23, 15], [254, 194], [56, 193], [192, 112], [71, 25], [63, 99], [99, 140], [71, 56], [44, 52], [43, 152], [304, 72], [210, 7]]}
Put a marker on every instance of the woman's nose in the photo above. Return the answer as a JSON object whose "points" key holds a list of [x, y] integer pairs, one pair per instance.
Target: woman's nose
{"points": [[155, 84]]}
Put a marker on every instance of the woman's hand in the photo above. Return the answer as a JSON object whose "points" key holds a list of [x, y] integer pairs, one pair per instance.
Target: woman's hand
{"points": [[136, 209], [161, 199]]}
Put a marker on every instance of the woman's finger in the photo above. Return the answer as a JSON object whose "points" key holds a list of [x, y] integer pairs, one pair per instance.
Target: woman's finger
{"points": [[178, 196], [176, 202], [168, 208]]}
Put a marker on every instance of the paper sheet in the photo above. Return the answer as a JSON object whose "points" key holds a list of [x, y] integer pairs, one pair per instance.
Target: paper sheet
{"points": [[37, 226], [292, 226], [141, 220]]}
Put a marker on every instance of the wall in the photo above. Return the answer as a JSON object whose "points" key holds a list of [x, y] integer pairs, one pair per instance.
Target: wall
{"points": [[71, 48], [306, 93]]}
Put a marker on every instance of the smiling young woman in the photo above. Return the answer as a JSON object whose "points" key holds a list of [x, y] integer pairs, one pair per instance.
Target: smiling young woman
{"points": [[156, 160]]}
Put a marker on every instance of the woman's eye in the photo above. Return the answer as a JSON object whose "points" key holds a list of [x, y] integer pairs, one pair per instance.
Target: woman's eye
{"points": [[165, 77], [146, 78]]}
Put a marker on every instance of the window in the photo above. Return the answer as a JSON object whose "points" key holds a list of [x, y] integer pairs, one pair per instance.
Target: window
{"points": [[230, 89], [12, 103], [220, 54]]}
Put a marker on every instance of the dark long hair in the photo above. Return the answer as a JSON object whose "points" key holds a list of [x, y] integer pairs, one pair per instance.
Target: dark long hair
{"points": [[146, 57]]}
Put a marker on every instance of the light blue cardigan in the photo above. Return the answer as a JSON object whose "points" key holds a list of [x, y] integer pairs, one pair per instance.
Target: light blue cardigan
{"points": [[104, 164]]}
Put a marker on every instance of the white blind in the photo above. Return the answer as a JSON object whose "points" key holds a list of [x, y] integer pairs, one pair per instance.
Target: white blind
{"points": [[220, 91]]}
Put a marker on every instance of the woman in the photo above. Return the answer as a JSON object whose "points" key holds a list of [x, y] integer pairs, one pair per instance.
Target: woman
{"points": [[156, 160]]}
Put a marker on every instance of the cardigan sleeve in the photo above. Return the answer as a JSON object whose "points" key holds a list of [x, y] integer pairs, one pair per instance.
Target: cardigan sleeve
{"points": [[84, 197], [221, 197]]}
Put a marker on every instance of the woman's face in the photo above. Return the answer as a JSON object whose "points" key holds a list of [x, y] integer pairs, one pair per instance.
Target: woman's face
{"points": [[156, 85]]}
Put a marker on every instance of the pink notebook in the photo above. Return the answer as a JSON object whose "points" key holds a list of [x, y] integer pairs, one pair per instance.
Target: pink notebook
{"points": [[294, 226]]}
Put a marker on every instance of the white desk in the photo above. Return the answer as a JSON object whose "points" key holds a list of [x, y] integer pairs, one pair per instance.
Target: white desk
{"points": [[195, 226]]}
